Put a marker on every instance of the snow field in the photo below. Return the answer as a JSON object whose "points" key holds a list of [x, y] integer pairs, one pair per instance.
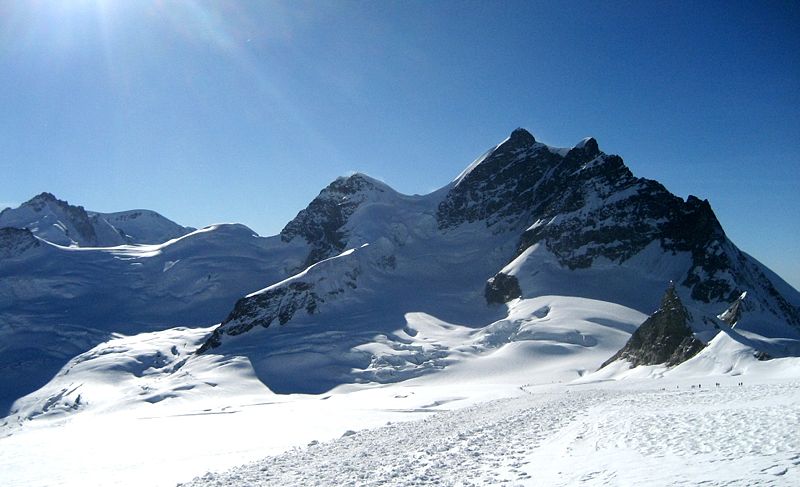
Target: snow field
{"points": [[732, 435], [476, 445]]}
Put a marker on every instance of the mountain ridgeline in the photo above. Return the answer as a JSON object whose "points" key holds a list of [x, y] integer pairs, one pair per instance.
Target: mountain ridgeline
{"points": [[520, 219], [560, 251], [61, 223]]}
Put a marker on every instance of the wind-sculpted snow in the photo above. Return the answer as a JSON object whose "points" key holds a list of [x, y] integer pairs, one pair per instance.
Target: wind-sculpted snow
{"points": [[730, 435], [121, 372], [384, 345]]}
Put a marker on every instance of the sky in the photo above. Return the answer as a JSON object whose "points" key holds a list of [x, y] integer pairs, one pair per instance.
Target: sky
{"points": [[242, 111]]}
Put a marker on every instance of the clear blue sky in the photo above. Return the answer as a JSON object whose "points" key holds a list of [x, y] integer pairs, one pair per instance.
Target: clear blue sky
{"points": [[211, 111]]}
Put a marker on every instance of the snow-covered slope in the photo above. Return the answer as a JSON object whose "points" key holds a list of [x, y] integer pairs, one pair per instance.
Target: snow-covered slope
{"points": [[472, 422], [189, 280], [723, 436], [59, 222], [54, 298], [525, 220], [141, 226], [568, 335]]}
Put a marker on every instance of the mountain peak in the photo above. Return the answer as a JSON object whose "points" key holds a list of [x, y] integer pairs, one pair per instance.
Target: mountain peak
{"points": [[61, 223], [322, 223], [354, 183], [671, 299], [588, 146], [520, 136], [41, 200], [44, 196]]}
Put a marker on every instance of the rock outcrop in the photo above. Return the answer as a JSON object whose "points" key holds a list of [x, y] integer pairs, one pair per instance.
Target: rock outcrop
{"points": [[666, 337], [16, 241]]}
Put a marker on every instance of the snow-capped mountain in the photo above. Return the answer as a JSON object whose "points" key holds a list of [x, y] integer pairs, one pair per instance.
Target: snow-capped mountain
{"points": [[525, 220], [369, 285], [534, 267], [60, 223]]}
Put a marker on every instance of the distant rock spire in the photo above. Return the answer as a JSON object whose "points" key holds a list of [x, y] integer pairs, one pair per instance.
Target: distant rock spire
{"points": [[733, 314]]}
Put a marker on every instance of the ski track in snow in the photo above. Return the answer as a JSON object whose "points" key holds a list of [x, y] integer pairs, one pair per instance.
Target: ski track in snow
{"points": [[730, 435]]}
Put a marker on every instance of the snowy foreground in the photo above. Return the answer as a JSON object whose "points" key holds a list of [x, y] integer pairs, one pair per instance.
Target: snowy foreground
{"points": [[517, 402], [730, 435], [634, 432]]}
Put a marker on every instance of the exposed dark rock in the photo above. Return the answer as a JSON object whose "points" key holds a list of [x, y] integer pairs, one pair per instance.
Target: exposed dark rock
{"points": [[38, 202], [586, 205], [321, 223], [500, 187], [502, 288], [283, 301], [664, 338], [521, 137], [762, 356], [262, 309], [733, 314], [16, 241], [587, 149]]}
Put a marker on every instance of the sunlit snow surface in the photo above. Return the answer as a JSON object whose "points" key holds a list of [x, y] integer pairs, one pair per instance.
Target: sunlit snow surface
{"points": [[395, 329], [517, 400], [731, 435]]}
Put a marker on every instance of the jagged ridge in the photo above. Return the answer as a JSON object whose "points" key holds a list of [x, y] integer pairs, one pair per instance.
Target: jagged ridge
{"points": [[581, 204]]}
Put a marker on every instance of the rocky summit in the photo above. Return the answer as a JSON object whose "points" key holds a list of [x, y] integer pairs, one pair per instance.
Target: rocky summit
{"points": [[322, 223], [666, 337]]}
